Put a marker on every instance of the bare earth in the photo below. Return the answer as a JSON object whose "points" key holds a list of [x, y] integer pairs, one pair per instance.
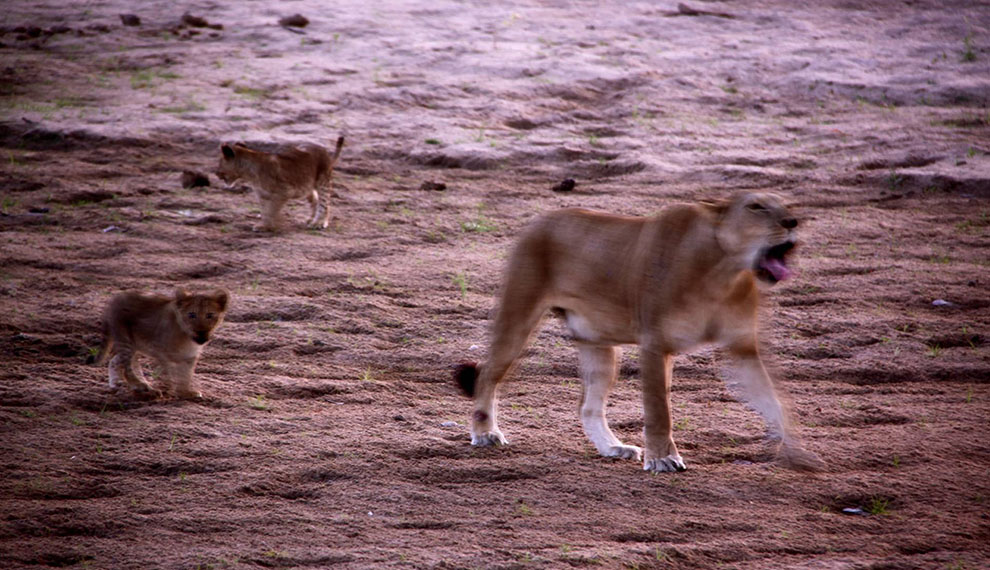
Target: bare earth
{"points": [[331, 433]]}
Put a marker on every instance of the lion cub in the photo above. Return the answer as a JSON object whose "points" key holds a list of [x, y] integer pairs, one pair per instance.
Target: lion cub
{"points": [[171, 330], [296, 172]]}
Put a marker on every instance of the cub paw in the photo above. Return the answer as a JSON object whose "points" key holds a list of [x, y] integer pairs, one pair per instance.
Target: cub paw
{"points": [[668, 464], [624, 452], [190, 395], [488, 439]]}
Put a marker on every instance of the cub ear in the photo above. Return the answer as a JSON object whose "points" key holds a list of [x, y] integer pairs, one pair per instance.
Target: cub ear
{"points": [[222, 297], [180, 294], [227, 150]]}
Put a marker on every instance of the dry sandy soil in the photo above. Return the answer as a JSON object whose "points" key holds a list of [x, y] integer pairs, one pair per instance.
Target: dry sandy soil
{"points": [[331, 433]]}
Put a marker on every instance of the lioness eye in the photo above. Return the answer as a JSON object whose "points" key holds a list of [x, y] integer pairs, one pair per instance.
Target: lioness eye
{"points": [[756, 207]]}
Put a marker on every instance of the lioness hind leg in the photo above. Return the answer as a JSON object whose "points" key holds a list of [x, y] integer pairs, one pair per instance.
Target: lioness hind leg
{"points": [[599, 366], [660, 454], [519, 312]]}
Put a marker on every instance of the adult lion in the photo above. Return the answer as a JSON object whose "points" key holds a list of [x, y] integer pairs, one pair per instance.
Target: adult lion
{"points": [[668, 283]]}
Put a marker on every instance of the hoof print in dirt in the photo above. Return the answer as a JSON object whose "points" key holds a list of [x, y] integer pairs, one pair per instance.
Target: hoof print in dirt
{"points": [[565, 185], [191, 179], [294, 21], [130, 20], [432, 186]]}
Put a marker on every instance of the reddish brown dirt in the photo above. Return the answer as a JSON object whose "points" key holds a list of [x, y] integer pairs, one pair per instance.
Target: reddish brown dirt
{"points": [[326, 438]]}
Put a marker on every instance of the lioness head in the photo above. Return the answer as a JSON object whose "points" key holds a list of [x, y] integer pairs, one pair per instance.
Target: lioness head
{"points": [[199, 314], [227, 169], [758, 228]]}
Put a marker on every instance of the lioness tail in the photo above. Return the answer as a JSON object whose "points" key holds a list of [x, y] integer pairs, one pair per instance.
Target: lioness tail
{"points": [[466, 375]]}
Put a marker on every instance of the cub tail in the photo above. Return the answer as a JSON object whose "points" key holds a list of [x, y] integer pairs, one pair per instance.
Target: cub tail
{"points": [[336, 151], [466, 374]]}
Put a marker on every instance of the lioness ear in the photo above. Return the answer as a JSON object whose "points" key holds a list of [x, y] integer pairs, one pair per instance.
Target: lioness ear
{"points": [[227, 151], [222, 297], [180, 294], [717, 207]]}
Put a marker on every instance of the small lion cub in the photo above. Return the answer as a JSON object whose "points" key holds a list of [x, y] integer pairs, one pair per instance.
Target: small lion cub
{"points": [[172, 330], [303, 171]]}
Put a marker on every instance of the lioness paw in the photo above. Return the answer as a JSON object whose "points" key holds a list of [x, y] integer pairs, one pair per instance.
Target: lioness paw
{"points": [[668, 464], [624, 452], [488, 439], [190, 395]]}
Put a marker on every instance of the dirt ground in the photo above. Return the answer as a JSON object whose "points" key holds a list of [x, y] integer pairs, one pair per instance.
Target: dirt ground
{"points": [[331, 433]]}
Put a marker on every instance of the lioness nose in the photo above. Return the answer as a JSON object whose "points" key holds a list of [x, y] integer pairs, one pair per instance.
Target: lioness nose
{"points": [[789, 223]]}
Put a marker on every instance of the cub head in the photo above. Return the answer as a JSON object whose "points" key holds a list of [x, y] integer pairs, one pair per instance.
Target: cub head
{"points": [[199, 314], [759, 229], [227, 169]]}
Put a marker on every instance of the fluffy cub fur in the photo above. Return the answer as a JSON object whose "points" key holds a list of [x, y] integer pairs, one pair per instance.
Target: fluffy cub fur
{"points": [[172, 330], [668, 283], [303, 171]]}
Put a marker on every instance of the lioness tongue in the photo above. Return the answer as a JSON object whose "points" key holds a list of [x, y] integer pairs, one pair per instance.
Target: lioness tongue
{"points": [[776, 268]]}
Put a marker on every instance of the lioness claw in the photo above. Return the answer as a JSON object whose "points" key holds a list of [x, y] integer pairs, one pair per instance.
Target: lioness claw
{"points": [[668, 464]]}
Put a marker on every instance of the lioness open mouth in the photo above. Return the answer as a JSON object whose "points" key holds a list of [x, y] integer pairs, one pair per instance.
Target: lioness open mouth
{"points": [[771, 266]]}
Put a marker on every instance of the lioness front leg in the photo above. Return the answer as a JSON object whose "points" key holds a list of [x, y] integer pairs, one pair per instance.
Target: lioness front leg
{"points": [[759, 392], [599, 366], [660, 453]]}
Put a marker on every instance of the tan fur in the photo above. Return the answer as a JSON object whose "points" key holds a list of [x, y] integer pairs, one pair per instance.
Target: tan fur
{"points": [[668, 283], [304, 171], [172, 330]]}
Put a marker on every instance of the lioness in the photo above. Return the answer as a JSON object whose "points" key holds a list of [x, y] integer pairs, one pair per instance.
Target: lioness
{"points": [[296, 172], [171, 330], [669, 283]]}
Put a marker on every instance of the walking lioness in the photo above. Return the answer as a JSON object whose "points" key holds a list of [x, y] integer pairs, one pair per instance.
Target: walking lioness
{"points": [[669, 283], [303, 171]]}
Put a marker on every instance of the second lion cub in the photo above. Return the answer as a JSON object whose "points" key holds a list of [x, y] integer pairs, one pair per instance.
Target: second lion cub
{"points": [[172, 330], [303, 171]]}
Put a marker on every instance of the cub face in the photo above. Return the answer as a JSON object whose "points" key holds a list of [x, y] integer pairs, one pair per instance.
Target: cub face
{"points": [[759, 227], [227, 169], [199, 314]]}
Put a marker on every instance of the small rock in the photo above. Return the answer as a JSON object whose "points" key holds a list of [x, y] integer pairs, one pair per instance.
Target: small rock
{"points": [[191, 179], [433, 186], [941, 303], [294, 21], [109, 229], [853, 511], [399, 418], [38, 210], [198, 22], [565, 185], [448, 424], [130, 20]]}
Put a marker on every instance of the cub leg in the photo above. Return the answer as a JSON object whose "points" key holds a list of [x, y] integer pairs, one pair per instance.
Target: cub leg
{"points": [[271, 207], [759, 392], [514, 323], [181, 374], [321, 209], [599, 365], [125, 363], [314, 200], [660, 453]]}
